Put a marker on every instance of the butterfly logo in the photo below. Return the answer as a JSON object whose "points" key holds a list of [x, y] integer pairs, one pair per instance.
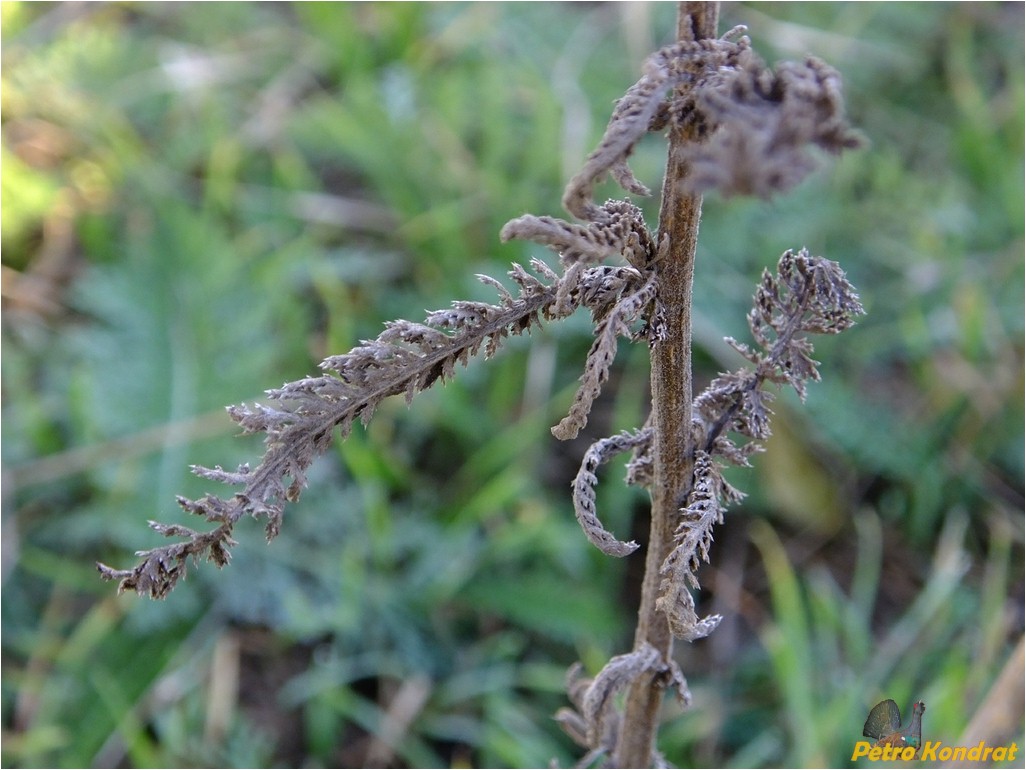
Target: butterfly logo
{"points": [[884, 725]]}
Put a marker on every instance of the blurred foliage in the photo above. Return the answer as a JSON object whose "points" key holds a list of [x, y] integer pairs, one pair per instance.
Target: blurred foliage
{"points": [[202, 201]]}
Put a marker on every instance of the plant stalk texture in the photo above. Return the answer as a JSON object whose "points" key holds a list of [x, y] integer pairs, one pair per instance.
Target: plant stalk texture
{"points": [[735, 126], [673, 454]]}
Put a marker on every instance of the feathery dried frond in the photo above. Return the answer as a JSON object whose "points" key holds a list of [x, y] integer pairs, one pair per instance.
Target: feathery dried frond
{"points": [[808, 295], [613, 324], [753, 125], [642, 109], [595, 723], [693, 539], [639, 468], [615, 297], [404, 359], [161, 568], [615, 677], [584, 483], [761, 123], [621, 231]]}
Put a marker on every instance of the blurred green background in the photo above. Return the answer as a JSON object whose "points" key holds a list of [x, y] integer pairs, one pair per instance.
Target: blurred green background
{"points": [[201, 201]]}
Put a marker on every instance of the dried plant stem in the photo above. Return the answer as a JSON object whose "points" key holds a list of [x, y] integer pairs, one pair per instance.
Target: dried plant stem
{"points": [[672, 453], [735, 126]]}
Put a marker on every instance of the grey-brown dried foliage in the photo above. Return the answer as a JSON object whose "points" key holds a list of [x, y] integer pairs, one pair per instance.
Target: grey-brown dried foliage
{"points": [[808, 295], [599, 453], [756, 124], [744, 129], [404, 359], [694, 537], [594, 723]]}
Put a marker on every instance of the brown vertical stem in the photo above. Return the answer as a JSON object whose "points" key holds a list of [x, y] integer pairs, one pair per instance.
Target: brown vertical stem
{"points": [[672, 452]]}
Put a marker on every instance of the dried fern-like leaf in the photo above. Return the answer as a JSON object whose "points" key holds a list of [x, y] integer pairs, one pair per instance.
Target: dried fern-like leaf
{"points": [[808, 295], [590, 243], [404, 359], [161, 568], [584, 483], [615, 297], [761, 124], [615, 676], [755, 124], [595, 724], [642, 109], [640, 466], [693, 540], [600, 357]]}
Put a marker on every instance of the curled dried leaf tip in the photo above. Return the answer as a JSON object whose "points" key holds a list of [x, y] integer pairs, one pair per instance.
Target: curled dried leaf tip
{"points": [[584, 483]]}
